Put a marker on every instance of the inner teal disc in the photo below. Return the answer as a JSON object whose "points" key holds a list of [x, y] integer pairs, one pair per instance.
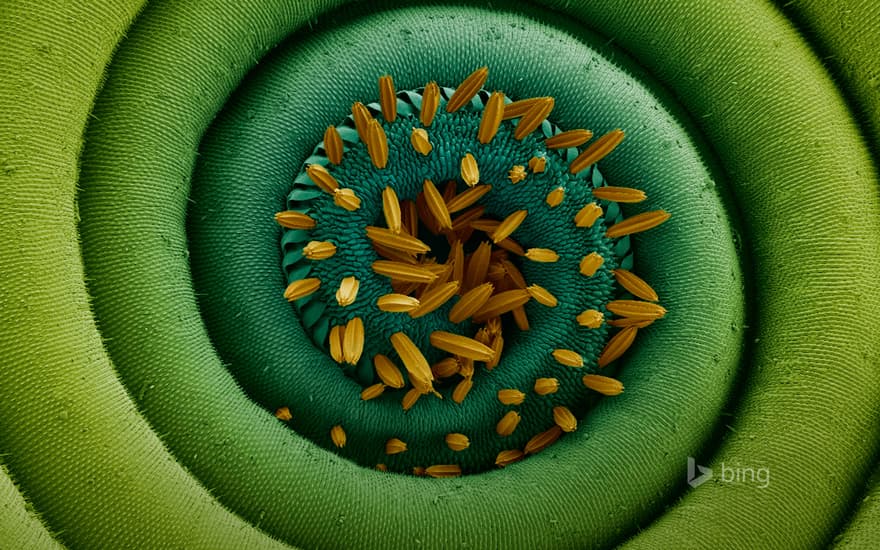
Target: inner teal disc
{"points": [[452, 136]]}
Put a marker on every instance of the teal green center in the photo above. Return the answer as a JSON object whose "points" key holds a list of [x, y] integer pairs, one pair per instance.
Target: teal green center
{"points": [[452, 136]]}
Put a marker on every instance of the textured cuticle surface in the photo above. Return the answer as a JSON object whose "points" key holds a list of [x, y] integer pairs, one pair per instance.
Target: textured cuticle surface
{"points": [[127, 412], [144, 402]]}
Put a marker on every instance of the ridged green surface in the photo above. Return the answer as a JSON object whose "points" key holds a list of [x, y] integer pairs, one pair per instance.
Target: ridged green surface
{"points": [[808, 265], [132, 431], [846, 37], [863, 529], [19, 526], [72, 437]]}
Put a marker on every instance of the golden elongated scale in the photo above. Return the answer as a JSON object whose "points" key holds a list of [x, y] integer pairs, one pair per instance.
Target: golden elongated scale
{"points": [[503, 302], [497, 346], [508, 225], [470, 171], [564, 419], [435, 298], [347, 199], [520, 107], [430, 102], [348, 291], [477, 266], [362, 119], [470, 302], [511, 396], [395, 446], [542, 440], [467, 198], [590, 318], [635, 285], [397, 303], [467, 89], [555, 197], [591, 263], [403, 272], [420, 141], [490, 121], [617, 345], [546, 386], [619, 194], [333, 144], [436, 205], [569, 358], [413, 361], [322, 178], [410, 217], [292, 219], [485, 225], [624, 322], [512, 246], [569, 138], [399, 241], [533, 117], [391, 210], [456, 256], [462, 389], [603, 384], [597, 150], [372, 392], [353, 340], [337, 333], [377, 144], [388, 372], [544, 255], [542, 295], [387, 98], [636, 309], [507, 457], [463, 346], [302, 288], [443, 470], [319, 250], [410, 399], [508, 423], [588, 215], [637, 224], [337, 435], [457, 441], [446, 367]]}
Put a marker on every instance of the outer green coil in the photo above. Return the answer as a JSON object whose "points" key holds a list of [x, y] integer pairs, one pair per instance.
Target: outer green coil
{"points": [[751, 85]]}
